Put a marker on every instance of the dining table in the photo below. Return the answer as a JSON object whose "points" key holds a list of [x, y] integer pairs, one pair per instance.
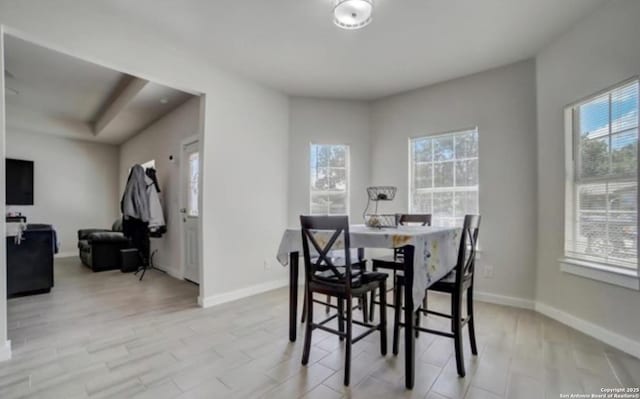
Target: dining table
{"points": [[430, 253]]}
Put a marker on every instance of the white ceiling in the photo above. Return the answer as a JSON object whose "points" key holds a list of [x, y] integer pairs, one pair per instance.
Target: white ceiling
{"points": [[293, 46], [54, 83], [142, 110], [62, 95]]}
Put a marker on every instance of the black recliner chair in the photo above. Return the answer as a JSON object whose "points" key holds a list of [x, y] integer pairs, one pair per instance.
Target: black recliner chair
{"points": [[100, 248]]}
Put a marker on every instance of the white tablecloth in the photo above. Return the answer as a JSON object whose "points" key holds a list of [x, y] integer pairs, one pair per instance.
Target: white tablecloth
{"points": [[435, 251]]}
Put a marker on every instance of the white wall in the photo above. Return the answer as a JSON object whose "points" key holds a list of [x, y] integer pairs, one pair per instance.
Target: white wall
{"points": [[325, 121], [600, 51], [501, 102], [75, 183], [5, 345], [245, 204], [245, 157], [158, 142]]}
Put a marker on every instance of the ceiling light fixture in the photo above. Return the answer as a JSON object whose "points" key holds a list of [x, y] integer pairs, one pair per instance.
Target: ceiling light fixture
{"points": [[164, 100], [352, 14]]}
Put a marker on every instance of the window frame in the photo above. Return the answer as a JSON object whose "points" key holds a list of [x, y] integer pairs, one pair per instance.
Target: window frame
{"points": [[443, 189], [347, 176], [604, 271]]}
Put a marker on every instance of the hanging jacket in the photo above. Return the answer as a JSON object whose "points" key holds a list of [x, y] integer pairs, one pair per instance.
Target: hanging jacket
{"points": [[156, 217], [135, 200], [151, 173]]}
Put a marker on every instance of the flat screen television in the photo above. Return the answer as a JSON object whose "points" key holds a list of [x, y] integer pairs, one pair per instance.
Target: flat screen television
{"points": [[19, 176]]}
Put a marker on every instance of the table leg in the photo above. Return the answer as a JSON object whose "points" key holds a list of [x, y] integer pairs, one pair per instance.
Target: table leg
{"points": [[293, 296], [409, 336]]}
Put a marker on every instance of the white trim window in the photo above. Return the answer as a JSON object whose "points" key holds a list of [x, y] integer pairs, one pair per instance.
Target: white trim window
{"points": [[443, 176], [329, 180], [601, 196]]}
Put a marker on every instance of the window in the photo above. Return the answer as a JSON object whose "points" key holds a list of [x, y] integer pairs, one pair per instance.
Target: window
{"points": [[192, 194], [602, 180], [329, 179], [444, 176]]}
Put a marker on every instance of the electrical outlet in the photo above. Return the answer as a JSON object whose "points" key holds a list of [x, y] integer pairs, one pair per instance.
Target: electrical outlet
{"points": [[267, 265], [487, 271]]}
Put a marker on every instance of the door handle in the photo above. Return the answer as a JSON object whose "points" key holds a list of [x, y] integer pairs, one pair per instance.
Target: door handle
{"points": [[183, 210]]}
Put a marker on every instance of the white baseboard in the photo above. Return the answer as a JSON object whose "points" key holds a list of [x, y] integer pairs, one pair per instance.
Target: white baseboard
{"points": [[170, 271], [607, 336], [230, 296], [5, 351], [173, 273], [504, 300], [69, 254]]}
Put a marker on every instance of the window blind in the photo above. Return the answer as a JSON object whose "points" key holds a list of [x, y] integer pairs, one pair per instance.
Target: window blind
{"points": [[603, 211], [444, 176]]}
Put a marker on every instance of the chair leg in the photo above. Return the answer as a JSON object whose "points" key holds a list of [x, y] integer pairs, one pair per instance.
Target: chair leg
{"points": [[347, 355], [471, 323], [365, 308], [419, 315], [341, 317], [456, 313], [304, 307], [397, 301], [372, 305], [373, 298], [308, 330], [395, 272], [327, 308], [383, 320]]}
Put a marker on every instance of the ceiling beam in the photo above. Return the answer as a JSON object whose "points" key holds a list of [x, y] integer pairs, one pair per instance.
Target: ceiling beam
{"points": [[124, 93]]}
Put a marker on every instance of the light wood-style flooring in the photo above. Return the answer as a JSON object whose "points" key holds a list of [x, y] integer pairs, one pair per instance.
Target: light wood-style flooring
{"points": [[106, 335]]}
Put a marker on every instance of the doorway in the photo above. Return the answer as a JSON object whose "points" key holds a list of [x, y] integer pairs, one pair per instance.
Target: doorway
{"points": [[82, 126]]}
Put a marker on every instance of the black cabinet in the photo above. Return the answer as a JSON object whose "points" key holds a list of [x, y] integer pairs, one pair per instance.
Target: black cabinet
{"points": [[30, 262]]}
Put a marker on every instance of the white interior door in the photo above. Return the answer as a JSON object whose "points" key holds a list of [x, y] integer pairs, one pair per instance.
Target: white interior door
{"points": [[190, 210]]}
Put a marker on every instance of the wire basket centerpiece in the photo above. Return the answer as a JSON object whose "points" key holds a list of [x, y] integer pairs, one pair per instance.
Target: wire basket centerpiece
{"points": [[376, 194], [381, 193]]}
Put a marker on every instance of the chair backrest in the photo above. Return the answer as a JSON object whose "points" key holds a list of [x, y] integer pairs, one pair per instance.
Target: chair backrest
{"points": [[467, 250], [328, 236], [404, 219]]}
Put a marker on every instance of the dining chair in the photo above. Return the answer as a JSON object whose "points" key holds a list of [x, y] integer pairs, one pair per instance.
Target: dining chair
{"points": [[459, 280], [360, 264], [323, 275], [395, 262]]}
